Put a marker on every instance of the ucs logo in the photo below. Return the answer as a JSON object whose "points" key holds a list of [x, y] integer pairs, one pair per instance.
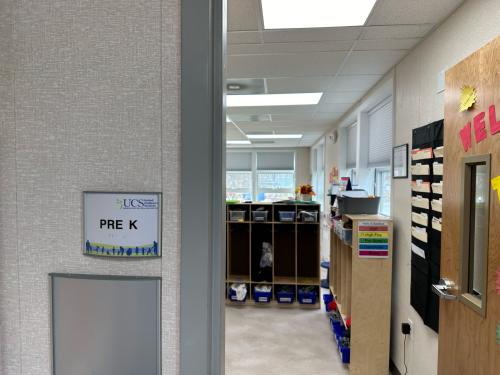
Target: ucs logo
{"points": [[131, 203]]}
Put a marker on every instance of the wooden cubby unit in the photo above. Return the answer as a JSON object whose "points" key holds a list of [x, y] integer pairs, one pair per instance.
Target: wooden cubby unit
{"points": [[362, 289], [295, 246]]}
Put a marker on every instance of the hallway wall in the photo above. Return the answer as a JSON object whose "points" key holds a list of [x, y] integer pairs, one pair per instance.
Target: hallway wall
{"points": [[89, 95], [474, 24]]}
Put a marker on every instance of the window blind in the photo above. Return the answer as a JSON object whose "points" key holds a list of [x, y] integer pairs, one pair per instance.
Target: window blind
{"points": [[238, 161], [380, 135], [351, 146], [276, 161]]}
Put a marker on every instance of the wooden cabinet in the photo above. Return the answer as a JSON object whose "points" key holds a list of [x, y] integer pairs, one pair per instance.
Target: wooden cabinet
{"points": [[360, 280], [293, 231]]}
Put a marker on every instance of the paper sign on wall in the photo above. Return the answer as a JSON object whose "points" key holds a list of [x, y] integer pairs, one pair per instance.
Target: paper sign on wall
{"points": [[122, 224], [373, 239], [495, 183]]}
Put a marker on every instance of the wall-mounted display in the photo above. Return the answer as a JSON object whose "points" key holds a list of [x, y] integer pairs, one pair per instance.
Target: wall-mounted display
{"points": [[427, 188], [400, 161], [124, 225]]}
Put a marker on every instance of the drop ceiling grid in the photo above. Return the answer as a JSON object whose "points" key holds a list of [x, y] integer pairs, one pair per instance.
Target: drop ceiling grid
{"points": [[343, 63]]}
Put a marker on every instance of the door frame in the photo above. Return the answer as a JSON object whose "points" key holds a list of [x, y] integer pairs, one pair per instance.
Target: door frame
{"points": [[202, 187]]}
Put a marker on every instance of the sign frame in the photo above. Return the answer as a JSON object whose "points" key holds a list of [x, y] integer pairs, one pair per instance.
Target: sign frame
{"points": [[159, 210]]}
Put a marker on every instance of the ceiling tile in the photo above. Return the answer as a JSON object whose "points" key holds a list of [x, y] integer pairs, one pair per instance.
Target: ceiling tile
{"points": [[354, 82], [298, 84], [390, 12], [291, 47], [342, 97], [372, 62], [312, 35], [242, 37], [330, 116], [386, 44], [285, 65], [243, 15], [396, 31], [284, 117], [333, 107]]}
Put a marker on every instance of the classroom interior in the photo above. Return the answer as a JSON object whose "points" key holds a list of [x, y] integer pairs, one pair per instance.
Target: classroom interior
{"points": [[237, 187], [312, 109]]}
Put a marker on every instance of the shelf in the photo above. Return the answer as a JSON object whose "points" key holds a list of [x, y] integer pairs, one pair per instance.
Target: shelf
{"points": [[261, 282], [284, 280], [308, 281], [238, 279], [273, 303]]}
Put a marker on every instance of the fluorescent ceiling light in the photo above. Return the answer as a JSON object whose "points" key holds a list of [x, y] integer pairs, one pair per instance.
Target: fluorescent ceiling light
{"points": [[274, 136], [238, 142], [265, 100], [301, 14]]}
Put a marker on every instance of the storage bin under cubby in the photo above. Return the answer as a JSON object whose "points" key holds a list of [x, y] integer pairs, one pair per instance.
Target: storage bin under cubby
{"points": [[262, 297], [307, 298], [308, 216], [231, 294], [260, 216], [286, 216], [236, 216], [285, 296]]}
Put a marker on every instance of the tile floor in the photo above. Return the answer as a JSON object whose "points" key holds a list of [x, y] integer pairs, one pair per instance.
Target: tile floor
{"points": [[278, 341]]}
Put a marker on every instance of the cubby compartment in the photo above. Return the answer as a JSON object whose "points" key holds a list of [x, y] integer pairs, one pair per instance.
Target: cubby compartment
{"points": [[261, 236], [284, 251], [238, 254], [261, 213], [308, 254]]}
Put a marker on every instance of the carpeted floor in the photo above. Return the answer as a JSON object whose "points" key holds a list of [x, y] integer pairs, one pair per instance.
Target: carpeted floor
{"points": [[277, 341]]}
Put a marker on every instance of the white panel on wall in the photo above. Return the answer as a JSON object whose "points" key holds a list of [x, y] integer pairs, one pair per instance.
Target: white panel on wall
{"points": [[380, 134]]}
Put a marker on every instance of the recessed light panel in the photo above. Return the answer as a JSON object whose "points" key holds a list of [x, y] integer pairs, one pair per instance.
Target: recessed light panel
{"points": [[267, 100], [302, 14], [238, 142], [274, 136]]}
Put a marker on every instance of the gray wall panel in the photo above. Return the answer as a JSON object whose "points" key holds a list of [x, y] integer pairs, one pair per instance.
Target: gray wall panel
{"points": [[96, 108]]}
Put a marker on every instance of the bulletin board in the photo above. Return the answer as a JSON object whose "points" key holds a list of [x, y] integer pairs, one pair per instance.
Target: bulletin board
{"points": [[427, 188]]}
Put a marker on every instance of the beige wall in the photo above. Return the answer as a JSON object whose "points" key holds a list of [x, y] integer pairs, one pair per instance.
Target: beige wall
{"points": [[417, 103], [89, 100]]}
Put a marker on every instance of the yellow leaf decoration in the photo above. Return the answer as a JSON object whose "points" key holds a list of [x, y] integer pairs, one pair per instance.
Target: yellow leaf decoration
{"points": [[468, 97]]}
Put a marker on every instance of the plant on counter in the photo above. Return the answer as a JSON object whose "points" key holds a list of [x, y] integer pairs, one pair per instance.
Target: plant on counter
{"points": [[305, 192]]}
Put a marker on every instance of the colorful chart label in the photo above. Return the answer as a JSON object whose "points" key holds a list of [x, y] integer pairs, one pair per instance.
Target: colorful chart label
{"points": [[373, 239]]}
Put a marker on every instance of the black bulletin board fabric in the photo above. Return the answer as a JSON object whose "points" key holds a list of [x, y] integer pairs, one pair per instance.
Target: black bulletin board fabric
{"points": [[426, 271]]}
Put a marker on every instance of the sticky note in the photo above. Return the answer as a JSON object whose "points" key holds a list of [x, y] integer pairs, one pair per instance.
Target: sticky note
{"points": [[495, 183]]}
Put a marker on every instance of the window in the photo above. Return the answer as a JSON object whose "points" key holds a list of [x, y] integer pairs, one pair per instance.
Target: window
{"points": [[383, 190], [260, 175], [239, 176], [380, 135], [352, 146], [275, 175], [475, 224]]}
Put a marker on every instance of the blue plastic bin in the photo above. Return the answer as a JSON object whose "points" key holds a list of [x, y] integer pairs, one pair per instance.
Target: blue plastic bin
{"points": [[287, 216], [262, 297], [232, 296], [306, 298], [345, 353], [327, 298], [284, 296]]}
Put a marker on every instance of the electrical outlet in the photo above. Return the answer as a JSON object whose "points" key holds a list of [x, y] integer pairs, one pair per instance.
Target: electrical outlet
{"points": [[410, 322], [405, 328]]}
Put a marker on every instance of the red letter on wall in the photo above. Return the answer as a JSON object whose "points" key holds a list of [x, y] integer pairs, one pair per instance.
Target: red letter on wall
{"points": [[479, 127], [465, 135], [494, 124]]}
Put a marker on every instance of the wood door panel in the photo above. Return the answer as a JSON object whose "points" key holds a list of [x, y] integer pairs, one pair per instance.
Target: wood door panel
{"points": [[467, 341]]}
